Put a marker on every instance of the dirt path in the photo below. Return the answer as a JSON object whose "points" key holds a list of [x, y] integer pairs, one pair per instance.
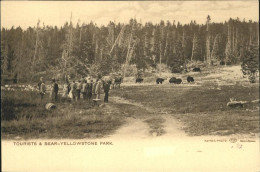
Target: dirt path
{"points": [[174, 149], [149, 123]]}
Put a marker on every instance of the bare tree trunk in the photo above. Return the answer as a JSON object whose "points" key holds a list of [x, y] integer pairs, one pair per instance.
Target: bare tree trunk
{"points": [[215, 40], [192, 47], [96, 52], [165, 51], [160, 69], [233, 40], [121, 32], [128, 50], [36, 42]]}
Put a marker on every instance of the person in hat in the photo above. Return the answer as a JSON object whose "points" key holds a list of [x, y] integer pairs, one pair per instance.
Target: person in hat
{"points": [[98, 89], [73, 91], [56, 90], [78, 90], [52, 93], [40, 83], [89, 90], [106, 90], [42, 90], [84, 89]]}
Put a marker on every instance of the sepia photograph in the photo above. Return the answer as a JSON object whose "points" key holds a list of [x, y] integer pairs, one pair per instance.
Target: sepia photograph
{"points": [[130, 86]]}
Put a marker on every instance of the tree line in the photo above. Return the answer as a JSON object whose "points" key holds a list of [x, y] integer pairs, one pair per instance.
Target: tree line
{"points": [[84, 49]]}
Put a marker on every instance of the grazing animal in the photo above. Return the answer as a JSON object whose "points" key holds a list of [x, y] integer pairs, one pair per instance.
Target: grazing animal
{"points": [[196, 69], [172, 80], [190, 79], [175, 80], [222, 63], [178, 81], [159, 80], [139, 80]]}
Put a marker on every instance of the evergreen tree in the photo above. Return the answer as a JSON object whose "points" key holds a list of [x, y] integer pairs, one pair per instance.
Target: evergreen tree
{"points": [[4, 58], [250, 61], [177, 61]]}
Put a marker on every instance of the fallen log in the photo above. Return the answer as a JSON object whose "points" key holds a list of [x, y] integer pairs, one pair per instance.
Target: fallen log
{"points": [[234, 104]]}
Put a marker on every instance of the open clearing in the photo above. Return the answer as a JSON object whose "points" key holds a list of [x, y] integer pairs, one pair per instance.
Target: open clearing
{"points": [[196, 109], [152, 127]]}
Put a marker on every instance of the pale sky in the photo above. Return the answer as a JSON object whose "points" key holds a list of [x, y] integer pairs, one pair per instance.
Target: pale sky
{"points": [[26, 13]]}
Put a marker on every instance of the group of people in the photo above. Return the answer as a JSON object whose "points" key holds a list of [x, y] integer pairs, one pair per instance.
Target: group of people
{"points": [[84, 89]]}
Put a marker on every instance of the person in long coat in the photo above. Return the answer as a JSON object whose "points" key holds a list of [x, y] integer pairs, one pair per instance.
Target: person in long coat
{"points": [[89, 90], [98, 89], [94, 88], [65, 90], [73, 91], [84, 89], [42, 90], [106, 90], [54, 90]]}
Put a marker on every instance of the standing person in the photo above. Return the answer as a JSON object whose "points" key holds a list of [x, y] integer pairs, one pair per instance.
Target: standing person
{"points": [[106, 90], [98, 89], [40, 83], [84, 89], [52, 93], [65, 90], [72, 92], [90, 87], [68, 86], [56, 90], [78, 90], [42, 89], [94, 88]]}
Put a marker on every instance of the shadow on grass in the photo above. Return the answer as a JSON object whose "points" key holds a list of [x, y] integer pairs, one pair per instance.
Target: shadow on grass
{"points": [[24, 116]]}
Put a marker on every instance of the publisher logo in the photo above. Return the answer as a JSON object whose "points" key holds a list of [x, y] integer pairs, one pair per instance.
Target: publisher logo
{"points": [[233, 140]]}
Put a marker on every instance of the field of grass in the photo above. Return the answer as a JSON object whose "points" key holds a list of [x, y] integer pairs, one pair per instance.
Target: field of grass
{"points": [[201, 107], [202, 110], [24, 116]]}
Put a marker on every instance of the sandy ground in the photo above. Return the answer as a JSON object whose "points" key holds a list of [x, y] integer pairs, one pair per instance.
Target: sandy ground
{"points": [[133, 148]]}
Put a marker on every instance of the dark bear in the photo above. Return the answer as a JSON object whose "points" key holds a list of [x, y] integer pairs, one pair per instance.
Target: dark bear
{"points": [[222, 63], [178, 81], [190, 79], [196, 69], [139, 80], [159, 80], [172, 80]]}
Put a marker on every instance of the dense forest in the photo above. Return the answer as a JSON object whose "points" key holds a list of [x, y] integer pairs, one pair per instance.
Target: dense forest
{"points": [[87, 49]]}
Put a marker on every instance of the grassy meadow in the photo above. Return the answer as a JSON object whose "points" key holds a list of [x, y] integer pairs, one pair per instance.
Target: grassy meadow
{"points": [[24, 116], [201, 108]]}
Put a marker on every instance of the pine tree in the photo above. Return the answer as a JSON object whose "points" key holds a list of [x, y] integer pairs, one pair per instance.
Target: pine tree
{"points": [[4, 58], [250, 61], [177, 60]]}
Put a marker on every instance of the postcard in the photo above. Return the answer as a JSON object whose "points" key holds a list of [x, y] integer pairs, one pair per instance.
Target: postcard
{"points": [[130, 86]]}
